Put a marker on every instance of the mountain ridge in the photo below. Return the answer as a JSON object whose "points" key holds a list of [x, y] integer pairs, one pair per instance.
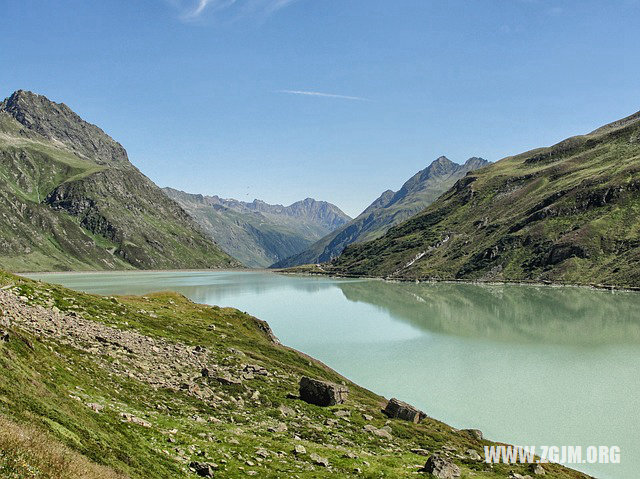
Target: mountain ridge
{"points": [[565, 213], [72, 200], [389, 209], [258, 233]]}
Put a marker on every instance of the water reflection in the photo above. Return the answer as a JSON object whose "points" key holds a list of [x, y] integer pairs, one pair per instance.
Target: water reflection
{"points": [[508, 312]]}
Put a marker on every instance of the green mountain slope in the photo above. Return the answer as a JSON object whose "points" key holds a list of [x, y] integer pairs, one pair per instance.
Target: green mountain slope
{"points": [[71, 200], [145, 387], [256, 233], [388, 210], [567, 213]]}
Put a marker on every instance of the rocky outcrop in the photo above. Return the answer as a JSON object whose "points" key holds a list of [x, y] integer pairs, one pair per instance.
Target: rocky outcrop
{"points": [[397, 409], [322, 393], [441, 468]]}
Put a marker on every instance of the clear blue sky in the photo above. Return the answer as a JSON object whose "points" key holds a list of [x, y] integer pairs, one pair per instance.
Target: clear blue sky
{"points": [[196, 90]]}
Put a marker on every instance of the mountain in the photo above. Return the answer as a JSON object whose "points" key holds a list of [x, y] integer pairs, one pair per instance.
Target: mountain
{"points": [[566, 213], [257, 233], [389, 209], [71, 200]]}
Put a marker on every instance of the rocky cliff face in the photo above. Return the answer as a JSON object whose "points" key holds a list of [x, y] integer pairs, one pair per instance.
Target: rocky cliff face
{"points": [[567, 213], [257, 233], [389, 209], [72, 200]]}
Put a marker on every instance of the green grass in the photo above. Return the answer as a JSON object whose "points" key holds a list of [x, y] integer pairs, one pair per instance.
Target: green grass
{"points": [[45, 386], [504, 222]]}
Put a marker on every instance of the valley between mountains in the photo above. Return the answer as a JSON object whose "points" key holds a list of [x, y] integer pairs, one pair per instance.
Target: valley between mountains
{"points": [[157, 386]]}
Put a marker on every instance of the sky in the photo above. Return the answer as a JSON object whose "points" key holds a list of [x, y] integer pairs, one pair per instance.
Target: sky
{"points": [[337, 100]]}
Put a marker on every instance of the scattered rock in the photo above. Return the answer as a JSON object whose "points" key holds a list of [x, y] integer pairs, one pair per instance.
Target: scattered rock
{"points": [[280, 427], [473, 455], [401, 410], [4, 335], [286, 411], [538, 470], [228, 380], [474, 433], [135, 420], [377, 432], [203, 469], [322, 393], [319, 460], [95, 406], [367, 417], [420, 452], [441, 468], [299, 450]]}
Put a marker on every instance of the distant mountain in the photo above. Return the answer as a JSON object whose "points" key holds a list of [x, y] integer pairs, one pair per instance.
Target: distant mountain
{"points": [[388, 210], [71, 200], [257, 233], [567, 213]]}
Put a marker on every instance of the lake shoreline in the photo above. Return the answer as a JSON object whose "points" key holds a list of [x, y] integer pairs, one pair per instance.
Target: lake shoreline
{"points": [[552, 284]]}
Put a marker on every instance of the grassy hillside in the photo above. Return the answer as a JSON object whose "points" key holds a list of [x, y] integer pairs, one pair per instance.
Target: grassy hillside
{"points": [[567, 213], [116, 387], [388, 210], [256, 233], [71, 200]]}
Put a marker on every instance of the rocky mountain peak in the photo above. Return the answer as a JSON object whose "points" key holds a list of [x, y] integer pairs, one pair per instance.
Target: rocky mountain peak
{"points": [[475, 162], [57, 122]]}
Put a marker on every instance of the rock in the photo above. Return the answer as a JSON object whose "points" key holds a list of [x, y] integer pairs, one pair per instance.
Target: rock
{"points": [[441, 468], [401, 410], [95, 406], [319, 460], [228, 380], [286, 411], [377, 432], [322, 393], [420, 452], [255, 369], [299, 450], [367, 417], [473, 455], [538, 470], [203, 469], [474, 433], [342, 413], [135, 420], [4, 335], [280, 427]]}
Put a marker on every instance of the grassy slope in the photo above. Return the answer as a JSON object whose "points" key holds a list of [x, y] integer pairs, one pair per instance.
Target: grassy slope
{"points": [[568, 213], [46, 385], [106, 216]]}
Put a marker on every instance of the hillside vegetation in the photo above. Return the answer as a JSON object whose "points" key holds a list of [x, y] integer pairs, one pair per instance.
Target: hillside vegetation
{"points": [[568, 213], [157, 386], [71, 200]]}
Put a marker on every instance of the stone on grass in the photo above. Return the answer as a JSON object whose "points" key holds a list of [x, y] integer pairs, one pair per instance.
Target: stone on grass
{"points": [[203, 469], [441, 468], [322, 393], [401, 410]]}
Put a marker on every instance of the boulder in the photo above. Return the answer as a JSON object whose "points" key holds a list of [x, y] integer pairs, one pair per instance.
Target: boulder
{"points": [[203, 469], [538, 470], [441, 468], [474, 433], [322, 393], [401, 410]]}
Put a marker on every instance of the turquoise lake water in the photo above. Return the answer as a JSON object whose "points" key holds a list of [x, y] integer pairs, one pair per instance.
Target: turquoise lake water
{"points": [[527, 365]]}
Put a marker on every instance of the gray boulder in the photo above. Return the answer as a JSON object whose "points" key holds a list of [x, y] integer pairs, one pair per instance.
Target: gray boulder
{"points": [[322, 393], [397, 409], [203, 469], [441, 468]]}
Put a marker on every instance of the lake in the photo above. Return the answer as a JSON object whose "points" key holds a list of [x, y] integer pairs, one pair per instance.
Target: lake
{"points": [[530, 365]]}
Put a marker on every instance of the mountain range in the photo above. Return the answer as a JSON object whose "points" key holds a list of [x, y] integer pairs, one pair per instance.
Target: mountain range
{"points": [[565, 213], [71, 200], [391, 208], [257, 233]]}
